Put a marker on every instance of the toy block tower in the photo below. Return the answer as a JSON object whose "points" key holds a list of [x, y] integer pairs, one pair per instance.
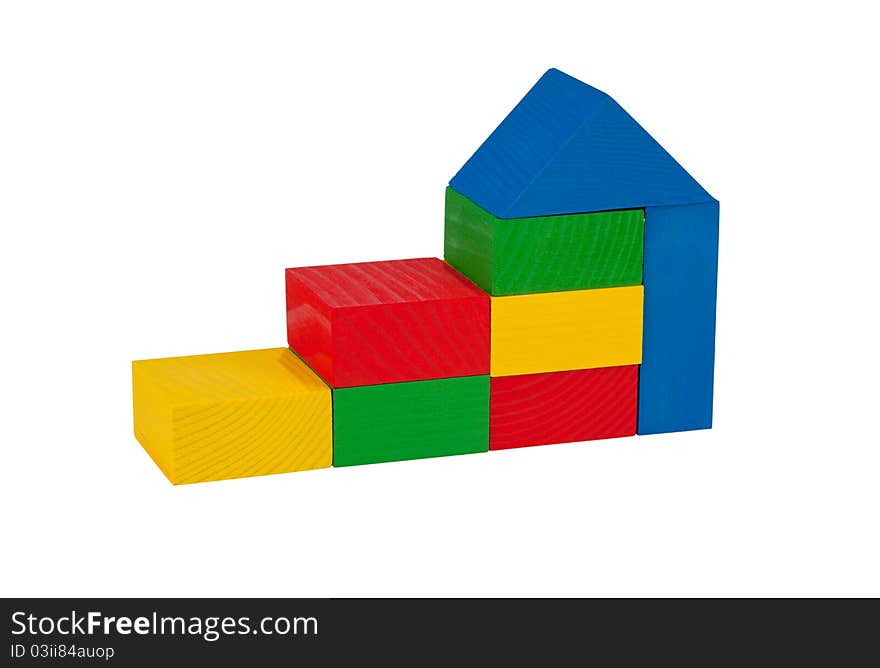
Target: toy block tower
{"points": [[567, 215], [576, 302], [566, 318], [404, 345]]}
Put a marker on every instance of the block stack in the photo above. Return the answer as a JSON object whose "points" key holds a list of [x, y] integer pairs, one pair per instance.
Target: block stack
{"points": [[404, 345], [566, 318], [576, 302]]}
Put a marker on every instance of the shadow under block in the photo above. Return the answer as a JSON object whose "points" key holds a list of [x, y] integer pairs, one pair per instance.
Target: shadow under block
{"points": [[546, 253], [563, 407], [562, 331], [681, 274], [567, 148], [387, 322], [398, 421], [230, 415]]}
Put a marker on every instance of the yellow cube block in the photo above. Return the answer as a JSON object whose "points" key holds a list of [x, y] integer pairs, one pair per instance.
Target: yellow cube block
{"points": [[230, 415], [562, 331]]}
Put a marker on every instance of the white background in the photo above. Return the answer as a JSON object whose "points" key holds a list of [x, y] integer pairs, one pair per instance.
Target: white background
{"points": [[162, 162]]}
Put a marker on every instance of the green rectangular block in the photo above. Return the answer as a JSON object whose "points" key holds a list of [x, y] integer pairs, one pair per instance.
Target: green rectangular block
{"points": [[518, 256], [397, 421]]}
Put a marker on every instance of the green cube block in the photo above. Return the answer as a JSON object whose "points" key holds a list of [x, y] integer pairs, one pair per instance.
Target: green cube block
{"points": [[397, 421], [517, 256]]}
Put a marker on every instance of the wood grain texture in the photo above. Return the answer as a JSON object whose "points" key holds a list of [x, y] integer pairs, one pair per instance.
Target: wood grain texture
{"points": [[398, 421], [562, 331], [681, 273], [545, 253], [387, 322], [230, 415], [468, 239], [563, 407], [568, 148]]}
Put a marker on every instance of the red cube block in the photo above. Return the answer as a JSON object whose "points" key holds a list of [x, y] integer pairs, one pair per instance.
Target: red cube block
{"points": [[563, 406], [387, 322]]}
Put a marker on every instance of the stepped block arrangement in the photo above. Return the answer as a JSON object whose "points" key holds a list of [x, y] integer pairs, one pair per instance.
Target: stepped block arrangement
{"points": [[576, 302]]}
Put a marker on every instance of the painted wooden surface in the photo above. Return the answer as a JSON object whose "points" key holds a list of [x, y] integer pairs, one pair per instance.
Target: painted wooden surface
{"points": [[387, 322], [545, 253], [229, 415], [563, 407], [570, 148], [555, 215], [681, 274], [397, 421], [561, 331]]}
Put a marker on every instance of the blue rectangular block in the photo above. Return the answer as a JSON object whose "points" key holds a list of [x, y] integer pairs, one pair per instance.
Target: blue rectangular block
{"points": [[678, 354]]}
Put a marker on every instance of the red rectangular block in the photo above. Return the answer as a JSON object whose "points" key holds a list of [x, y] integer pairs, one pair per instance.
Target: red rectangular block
{"points": [[563, 406], [387, 322]]}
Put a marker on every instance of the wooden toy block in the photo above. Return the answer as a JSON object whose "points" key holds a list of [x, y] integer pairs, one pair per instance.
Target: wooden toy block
{"points": [[387, 322], [229, 415], [569, 148], [545, 253], [398, 421], [563, 331], [563, 407], [681, 270]]}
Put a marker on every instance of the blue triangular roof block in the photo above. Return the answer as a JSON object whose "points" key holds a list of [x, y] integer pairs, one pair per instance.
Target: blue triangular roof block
{"points": [[570, 148]]}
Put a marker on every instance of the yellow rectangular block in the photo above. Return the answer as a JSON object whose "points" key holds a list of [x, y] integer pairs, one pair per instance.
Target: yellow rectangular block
{"points": [[230, 415], [562, 331]]}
